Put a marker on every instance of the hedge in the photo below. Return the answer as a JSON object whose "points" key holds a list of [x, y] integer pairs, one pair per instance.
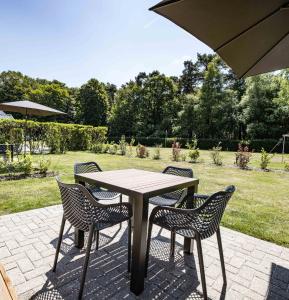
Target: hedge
{"points": [[58, 137], [206, 144]]}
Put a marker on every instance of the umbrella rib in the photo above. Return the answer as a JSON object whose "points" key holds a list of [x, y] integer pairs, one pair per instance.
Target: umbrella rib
{"points": [[284, 6], [268, 51]]}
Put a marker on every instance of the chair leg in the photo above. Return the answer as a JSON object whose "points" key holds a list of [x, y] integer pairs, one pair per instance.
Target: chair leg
{"points": [[221, 255], [96, 239], [129, 246], [148, 248], [173, 241], [202, 269], [120, 201], [86, 260], [59, 243]]}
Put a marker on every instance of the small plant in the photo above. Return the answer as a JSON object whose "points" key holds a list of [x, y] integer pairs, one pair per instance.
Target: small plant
{"points": [[141, 151], [97, 147], [176, 151], [130, 147], [105, 148], [184, 156], [157, 152], [243, 156], [25, 165], [286, 166], [265, 159], [194, 152], [122, 145], [44, 165], [216, 155], [113, 149]]}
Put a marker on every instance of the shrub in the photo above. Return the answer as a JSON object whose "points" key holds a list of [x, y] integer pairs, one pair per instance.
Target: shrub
{"points": [[176, 151], [142, 151], [97, 148], [265, 159], [113, 149], [25, 165], [243, 156], [105, 148], [17, 138], [44, 165], [58, 136], [286, 166], [184, 157], [122, 145], [130, 147], [194, 152], [157, 152], [216, 155]]}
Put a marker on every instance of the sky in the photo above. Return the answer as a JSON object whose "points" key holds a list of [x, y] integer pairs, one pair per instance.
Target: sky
{"points": [[75, 40]]}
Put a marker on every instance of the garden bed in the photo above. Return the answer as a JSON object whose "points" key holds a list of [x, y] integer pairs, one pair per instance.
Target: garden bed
{"points": [[7, 177]]}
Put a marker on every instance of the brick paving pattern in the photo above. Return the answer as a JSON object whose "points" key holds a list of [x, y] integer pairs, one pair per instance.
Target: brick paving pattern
{"points": [[255, 269]]}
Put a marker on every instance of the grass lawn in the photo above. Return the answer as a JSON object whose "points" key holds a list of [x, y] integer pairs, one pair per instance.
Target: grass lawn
{"points": [[260, 206]]}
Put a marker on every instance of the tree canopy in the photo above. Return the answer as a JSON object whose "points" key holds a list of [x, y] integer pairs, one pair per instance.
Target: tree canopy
{"points": [[206, 100]]}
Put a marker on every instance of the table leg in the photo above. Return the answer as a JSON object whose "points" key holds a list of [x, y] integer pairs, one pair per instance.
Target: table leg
{"points": [[189, 243], [79, 234], [140, 221]]}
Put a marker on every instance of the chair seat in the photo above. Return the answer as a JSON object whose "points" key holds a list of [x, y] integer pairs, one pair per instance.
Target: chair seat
{"points": [[163, 201], [102, 194], [112, 216]]}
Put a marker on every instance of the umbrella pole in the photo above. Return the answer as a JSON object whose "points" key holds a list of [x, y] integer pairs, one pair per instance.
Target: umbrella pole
{"points": [[25, 132]]}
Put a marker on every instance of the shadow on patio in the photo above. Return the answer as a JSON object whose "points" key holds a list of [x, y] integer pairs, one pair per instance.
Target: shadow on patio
{"points": [[279, 283], [107, 276]]}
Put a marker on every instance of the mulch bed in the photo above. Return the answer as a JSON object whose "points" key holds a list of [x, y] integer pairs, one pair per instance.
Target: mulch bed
{"points": [[8, 177]]}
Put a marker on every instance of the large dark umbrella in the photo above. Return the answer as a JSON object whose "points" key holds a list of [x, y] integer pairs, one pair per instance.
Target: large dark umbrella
{"points": [[252, 36], [29, 108]]}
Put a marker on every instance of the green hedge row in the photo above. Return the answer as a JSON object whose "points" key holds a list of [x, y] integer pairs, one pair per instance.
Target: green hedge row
{"points": [[206, 144], [58, 137]]}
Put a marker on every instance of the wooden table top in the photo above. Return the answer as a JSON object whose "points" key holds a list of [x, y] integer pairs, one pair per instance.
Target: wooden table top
{"points": [[133, 182]]}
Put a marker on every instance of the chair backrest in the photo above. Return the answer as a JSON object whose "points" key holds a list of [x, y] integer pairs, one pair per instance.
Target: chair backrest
{"points": [[76, 207], [211, 212], [184, 172], [86, 167]]}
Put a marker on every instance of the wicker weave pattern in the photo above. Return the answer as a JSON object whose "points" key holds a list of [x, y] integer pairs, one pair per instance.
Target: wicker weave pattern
{"points": [[87, 167], [170, 199], [204, 219], [97, 192], [81, 209]]}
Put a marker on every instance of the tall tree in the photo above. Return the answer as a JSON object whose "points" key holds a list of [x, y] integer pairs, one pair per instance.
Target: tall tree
{"points": [[93, 101], [259, 108]]}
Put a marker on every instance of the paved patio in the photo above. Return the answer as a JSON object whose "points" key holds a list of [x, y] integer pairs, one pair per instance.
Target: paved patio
{"points": [[255, 269]]}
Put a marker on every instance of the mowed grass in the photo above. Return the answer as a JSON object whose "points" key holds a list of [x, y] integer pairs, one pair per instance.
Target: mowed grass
{"points": [[260, 206]]}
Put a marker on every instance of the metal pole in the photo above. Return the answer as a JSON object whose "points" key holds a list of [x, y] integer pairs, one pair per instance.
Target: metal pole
{"points": [[283, 148], [25, 132]]}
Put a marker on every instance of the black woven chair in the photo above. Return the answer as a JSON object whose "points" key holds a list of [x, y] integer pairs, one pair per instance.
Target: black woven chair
{"points": [[197, 223], [82, 211], [173, 198], [97, 192]]}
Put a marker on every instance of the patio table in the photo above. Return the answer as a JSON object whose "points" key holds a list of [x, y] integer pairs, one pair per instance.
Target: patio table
{"points": [[139, 186]]}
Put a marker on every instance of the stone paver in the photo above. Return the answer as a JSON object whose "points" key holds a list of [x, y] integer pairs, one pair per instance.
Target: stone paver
{"points": [[255, 269]]}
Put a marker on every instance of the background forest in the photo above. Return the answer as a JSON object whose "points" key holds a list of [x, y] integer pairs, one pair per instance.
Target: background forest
{"points": [[206, 100]]}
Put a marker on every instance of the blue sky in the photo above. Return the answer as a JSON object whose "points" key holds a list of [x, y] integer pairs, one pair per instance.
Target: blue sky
{"points": [[75, 40]]}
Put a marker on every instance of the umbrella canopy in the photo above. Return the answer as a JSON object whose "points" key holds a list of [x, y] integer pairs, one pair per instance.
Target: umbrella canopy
{"points": [[29, 108], [251, 36]]}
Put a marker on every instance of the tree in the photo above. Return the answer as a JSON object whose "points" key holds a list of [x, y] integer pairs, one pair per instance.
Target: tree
{"points": [[93, 102], [158, 105], [111, 90], [124, 112], [259, 108], [190, 78]]}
